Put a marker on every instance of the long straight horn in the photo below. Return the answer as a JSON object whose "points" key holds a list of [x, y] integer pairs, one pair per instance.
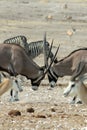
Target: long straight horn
{"points": [[50, 50], [45, 51], [52, 60], [78, 71], [47, 67]]}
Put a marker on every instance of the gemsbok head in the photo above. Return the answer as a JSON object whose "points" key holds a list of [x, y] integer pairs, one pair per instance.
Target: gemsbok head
{"points": [[8, 83], [77, 88]]}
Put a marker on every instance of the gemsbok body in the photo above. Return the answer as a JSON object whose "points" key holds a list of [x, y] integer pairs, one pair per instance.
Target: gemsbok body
{"points": [[69, 65], [21, 63], [8, 83], [77, 88]]}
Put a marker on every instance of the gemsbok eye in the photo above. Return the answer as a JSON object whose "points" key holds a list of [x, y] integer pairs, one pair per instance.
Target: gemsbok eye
{"points": [[73, 85], [16, 81]]}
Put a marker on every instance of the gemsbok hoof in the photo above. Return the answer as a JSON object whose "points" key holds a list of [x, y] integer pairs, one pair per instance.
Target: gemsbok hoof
{"points": [[13, 100], [34, 88], [79, 102]]}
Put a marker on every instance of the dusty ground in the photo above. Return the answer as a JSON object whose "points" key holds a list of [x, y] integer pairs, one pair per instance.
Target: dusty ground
{"points": [[32, 18]]}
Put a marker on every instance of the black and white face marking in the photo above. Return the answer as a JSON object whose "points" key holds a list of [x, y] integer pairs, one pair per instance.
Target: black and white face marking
{"points": [[17, 86], [73, 85], [14, 96], [52, 77], [35, 83], [71, 89]]}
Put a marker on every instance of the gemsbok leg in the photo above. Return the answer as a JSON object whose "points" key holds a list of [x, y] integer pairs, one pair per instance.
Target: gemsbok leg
{"points": [[14, 92]]}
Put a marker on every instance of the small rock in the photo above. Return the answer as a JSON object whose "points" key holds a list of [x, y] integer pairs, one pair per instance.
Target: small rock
{"points": [[53, 109], [49, 115], [40, 116], [30, 110], [14, 113], [49, 17]]}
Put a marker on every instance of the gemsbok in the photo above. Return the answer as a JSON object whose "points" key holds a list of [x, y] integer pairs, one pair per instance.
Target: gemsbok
{"points": [[77, 88], [68, 65], [8, 83], [22, 64]]}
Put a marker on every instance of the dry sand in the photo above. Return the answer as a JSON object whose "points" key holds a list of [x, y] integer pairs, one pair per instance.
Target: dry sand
{"points": [[32, 18]]}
